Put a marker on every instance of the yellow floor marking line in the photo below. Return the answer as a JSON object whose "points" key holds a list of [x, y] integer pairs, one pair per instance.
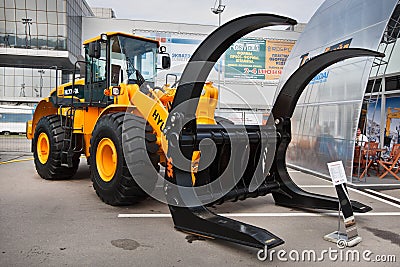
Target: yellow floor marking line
{"points": [[15, 161], [20, 160]]}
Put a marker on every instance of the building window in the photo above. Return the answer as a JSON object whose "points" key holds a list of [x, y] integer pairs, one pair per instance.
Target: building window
{"points": [[9, 4], [36, 24], [27, 82]]}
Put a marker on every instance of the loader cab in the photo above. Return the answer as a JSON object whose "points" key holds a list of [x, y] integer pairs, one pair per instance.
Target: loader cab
{"points": [[115, 58]]}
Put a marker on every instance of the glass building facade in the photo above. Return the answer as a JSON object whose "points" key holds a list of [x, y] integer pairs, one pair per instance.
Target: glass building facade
{"points": [[36, 36], [76, 9], [27, 82], [36, 24]]}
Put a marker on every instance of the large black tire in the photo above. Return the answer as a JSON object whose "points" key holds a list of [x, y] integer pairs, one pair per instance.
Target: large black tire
{"points": [[124, 130], [52, 169]]}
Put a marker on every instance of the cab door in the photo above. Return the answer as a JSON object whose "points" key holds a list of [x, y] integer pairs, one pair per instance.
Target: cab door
{"points": [[97, 73]]}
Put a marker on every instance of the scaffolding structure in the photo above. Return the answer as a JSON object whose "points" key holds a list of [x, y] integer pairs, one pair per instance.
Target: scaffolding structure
{"points": [[377, 81], [379, 68]]}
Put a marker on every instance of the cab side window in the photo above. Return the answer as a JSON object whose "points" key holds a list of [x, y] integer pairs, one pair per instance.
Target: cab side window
{"points": [[118, 62], [99, 66]]}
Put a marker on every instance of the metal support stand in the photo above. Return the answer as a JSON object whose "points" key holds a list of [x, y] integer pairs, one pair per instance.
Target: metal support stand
{"points": [[350, 238]]}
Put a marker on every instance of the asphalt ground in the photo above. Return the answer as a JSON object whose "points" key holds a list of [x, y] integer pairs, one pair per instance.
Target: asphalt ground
{"points": [[56, 223]]}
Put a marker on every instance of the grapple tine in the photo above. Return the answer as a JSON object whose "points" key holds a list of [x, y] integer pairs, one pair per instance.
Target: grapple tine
{"points": [[201, 221], [289, 194], [287, 98]]}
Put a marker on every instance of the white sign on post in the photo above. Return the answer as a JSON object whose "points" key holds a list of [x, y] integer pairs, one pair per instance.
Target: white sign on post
{"points": [[336, 170]]}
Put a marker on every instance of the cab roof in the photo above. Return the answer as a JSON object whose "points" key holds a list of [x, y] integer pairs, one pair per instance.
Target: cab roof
{"points": [[123, 34]]}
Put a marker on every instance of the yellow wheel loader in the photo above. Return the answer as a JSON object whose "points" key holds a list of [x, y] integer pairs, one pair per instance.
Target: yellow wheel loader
{"points": [[127, 127], [86, 116]]}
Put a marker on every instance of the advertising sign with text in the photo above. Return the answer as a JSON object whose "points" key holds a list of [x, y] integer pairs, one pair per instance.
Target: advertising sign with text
{"points": [[245, 59], [277, 51]]}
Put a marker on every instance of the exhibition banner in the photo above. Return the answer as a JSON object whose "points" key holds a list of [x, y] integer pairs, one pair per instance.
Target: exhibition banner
{"points": [[256, 58], [392, 116], [245, 59], [277, 51]]}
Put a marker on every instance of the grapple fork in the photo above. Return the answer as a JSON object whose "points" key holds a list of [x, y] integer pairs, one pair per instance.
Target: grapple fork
{"points": [[184, 137]]}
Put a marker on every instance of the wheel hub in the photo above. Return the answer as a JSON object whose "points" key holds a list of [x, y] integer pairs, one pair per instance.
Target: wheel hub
{"points": [[43, 148], [106, 159]]}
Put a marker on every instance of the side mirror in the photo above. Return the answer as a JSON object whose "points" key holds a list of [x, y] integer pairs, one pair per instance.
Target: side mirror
{"points": [[166, 62], [95, 50], [165, 58]]}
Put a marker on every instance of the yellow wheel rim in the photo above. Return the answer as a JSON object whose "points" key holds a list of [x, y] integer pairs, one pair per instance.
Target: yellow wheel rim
{"points": [[43, 148], [106, 159]]}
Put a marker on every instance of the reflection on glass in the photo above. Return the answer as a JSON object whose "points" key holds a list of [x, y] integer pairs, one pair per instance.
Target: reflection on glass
{"points": [[19, 72], [51, 5], [42, 29], [52, 42], [31, 14], [61, 43], [31, 4], [11, 27], [9, 80], [62, 30], [9, 72], [51, 30], [47, 30], [20, 42], [41, 5], [9, 4], [28, 72], [10, 14], [20, 3], [20, 14], [41, 17], [42, 42], [2, 26], [61, 5], [21, 29], [33, 29], [61, 18], [52, 17], [12, 39]]}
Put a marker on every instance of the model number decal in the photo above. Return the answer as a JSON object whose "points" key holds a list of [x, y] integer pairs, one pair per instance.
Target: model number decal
{"points": [[69, 91]]}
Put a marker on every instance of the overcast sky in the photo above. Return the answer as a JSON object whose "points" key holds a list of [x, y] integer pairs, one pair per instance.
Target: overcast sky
{"points": [[199, 11]]}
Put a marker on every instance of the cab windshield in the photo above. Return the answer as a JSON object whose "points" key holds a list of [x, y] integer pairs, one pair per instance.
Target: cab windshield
{"points": [[132, 60]]}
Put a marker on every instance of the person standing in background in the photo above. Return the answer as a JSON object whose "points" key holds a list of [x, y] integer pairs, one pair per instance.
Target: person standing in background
{"points": [[361, 139]]}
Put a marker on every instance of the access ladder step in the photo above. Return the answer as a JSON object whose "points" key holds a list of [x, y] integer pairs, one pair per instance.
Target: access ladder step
{"points": [[66, 159]]}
